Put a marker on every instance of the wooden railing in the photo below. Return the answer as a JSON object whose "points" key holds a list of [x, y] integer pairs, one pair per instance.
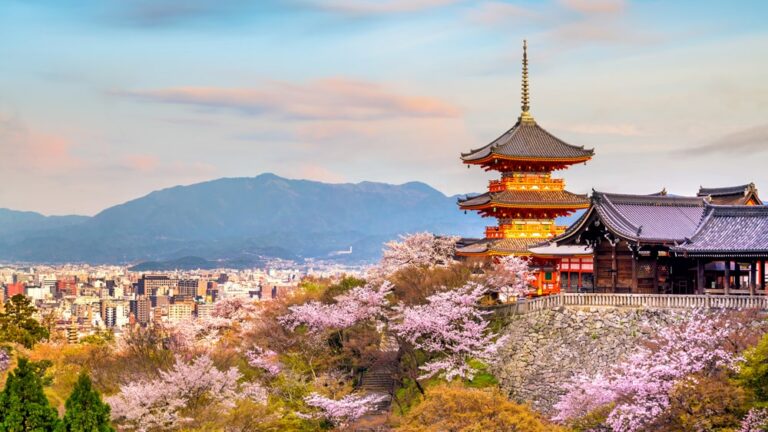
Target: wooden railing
{"points": [[526, 183], [651, 301]]}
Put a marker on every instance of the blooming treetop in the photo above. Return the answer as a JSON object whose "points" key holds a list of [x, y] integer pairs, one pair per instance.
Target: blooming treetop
{"points": [[359, 304], [420, 249], [452, 327], [264, 359], [639, 387], [156, 404], [510, 277], [348, 409], [755, 421]]}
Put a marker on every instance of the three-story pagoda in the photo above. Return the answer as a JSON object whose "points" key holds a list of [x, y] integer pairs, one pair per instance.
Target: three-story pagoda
{"points": [[527, 199]]}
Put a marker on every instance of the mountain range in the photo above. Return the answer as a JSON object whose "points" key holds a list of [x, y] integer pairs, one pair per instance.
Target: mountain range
{"points": [[238, 221]]}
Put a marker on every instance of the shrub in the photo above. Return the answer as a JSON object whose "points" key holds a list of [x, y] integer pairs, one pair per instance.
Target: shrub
{"points": [[457, 408]]}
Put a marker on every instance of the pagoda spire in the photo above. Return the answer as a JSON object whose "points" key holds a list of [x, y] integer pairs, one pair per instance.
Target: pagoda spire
{"points": [[525, 116]]}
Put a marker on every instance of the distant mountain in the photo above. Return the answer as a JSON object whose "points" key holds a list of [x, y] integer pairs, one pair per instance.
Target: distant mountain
{"points": [[241, 220], [13, 221]]}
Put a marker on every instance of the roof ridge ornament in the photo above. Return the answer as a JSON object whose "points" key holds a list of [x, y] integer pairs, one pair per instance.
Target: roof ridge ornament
{"points": [[525, 116]]}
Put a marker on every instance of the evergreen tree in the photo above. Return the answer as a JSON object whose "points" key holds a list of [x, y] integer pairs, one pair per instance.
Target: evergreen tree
{"points": [[85, 410], [23, 405], [17, 323]]}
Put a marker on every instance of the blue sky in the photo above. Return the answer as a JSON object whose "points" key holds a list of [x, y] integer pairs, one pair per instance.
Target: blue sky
{"points": [[103, 101]]}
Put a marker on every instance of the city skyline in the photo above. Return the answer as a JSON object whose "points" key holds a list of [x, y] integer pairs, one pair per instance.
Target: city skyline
{"points": [[103, 102]]}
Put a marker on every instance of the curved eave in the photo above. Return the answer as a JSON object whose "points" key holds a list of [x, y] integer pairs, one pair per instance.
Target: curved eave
{"points": [[525, 206], [494, 156]]}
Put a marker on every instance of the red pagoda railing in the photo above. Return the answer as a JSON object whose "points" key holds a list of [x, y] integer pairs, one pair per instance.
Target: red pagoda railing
{"points": [[512, 183], [497, 232]]}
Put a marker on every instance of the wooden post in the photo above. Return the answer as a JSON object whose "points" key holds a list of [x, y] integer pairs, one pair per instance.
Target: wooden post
{"points": [[727, 278], [634, 273], [655, 272], [736, 275], [700, 282], [752, 277], [614, 268], [762, 275]]}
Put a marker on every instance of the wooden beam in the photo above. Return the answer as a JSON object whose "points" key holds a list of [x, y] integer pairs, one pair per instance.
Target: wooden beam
{"points": [[727, 278]]}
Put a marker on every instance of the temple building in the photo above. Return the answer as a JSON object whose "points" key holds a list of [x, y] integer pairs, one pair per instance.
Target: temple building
{"points": [[661, 244], [526, 199], [734, 195]]}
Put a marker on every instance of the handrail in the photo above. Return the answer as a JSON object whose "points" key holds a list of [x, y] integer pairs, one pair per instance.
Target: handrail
{"points": [[651, 301]]}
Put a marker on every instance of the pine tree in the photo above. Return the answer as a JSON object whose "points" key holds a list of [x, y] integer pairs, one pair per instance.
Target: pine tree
{"points": [[17, 323], [85, 410], [23, 405]]}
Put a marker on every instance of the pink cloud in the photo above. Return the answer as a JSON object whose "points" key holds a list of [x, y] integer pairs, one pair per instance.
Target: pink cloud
{"points": [[498, 12], [142, 163], [370, 7], [325, 99], [595, 6]]}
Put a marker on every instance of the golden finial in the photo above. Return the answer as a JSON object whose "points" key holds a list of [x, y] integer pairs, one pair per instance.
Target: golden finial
{"points": [[526, 99]]}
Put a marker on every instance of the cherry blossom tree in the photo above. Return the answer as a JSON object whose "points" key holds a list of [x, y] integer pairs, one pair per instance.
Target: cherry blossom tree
{"points": [[639, 387], [5, 359], [359, 304], [347, 409], [264, 359], [451, 327], [511, 277], [159, 403], [420, 249], [755, 421]]}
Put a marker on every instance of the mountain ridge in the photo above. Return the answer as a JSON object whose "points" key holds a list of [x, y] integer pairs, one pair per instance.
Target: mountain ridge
{"points": [[237, 218]]}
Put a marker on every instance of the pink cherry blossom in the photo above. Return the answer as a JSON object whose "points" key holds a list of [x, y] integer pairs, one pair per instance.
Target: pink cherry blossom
{"points": [[347, 409], [420, 249], [452, 327], [511, 277], [264, 359], [156, 404], [640, 385], [755, 421], [359, 304]]}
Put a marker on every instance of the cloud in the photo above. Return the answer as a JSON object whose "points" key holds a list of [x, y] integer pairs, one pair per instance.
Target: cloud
{"points": [[749, 141], [326, 99], [379, 7], [618, 129], [497, 13], [38, 151], [143, 163], [595, 6]]}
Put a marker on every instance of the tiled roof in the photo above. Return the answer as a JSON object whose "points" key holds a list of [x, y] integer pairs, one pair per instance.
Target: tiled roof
{"points": [[538, 198], [732, 195], [528, 140], [499, 246], [735, 230], [644, 218]]}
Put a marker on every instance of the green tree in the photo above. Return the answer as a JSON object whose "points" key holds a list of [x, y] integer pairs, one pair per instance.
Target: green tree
{"points": [[85, 410], [17, 323], [753, 371], [23, 405]]}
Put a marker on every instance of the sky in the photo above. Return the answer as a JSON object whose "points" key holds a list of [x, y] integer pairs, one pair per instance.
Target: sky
{"points": [[103, 101]]}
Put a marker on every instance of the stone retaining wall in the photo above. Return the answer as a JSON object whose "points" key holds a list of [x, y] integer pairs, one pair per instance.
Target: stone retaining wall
{"points": [[547, 348]]}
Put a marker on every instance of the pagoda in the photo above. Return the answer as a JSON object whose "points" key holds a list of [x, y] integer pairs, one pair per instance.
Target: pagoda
{"points": [[526, 199]]}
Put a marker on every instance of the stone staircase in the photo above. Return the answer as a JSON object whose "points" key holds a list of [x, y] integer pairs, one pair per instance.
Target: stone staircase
{"points": [[379, 379]]}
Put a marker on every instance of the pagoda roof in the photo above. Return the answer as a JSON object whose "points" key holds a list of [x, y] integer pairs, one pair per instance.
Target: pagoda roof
{"points": [[506, 246], [727, 231], [527, 141], [527, 199], [731, 195], [642, 218]]}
